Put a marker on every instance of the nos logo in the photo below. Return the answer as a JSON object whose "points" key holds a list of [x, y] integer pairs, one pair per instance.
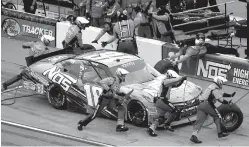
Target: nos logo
{"points": [[60, 78], [212, 69]]}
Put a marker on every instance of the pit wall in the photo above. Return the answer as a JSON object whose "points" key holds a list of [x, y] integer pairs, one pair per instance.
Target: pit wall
{"points": [[27, 27]]}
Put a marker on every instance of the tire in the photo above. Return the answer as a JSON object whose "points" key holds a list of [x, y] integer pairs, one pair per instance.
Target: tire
{"points": [[56, 97], [163, 65], [137, 113], [232, 117], [241, 29]]}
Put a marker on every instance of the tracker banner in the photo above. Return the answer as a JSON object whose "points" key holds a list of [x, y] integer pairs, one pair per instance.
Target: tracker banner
{"points": [[25, 30], [236, 70]]}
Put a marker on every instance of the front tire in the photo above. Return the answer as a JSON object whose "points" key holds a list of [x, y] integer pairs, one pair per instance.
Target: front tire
{"points": [[137, 113], [56, 96], [232, 117]]}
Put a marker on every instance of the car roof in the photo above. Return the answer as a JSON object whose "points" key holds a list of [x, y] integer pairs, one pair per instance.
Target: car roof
{"points": [[108, 57]]}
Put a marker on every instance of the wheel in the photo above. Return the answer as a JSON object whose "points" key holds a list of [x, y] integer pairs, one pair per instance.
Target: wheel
{"points": [[56, 96], [232, 117], [163, 65], [137, 113]]}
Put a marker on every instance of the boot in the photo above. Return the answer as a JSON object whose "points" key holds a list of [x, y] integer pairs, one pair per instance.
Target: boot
{"points": [[151, 132], [195, 139], [81, 125], [168, 127], [220, 135], [10, 82], [121, 128]]}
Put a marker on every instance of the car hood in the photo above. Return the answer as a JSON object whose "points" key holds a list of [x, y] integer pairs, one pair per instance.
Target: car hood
{"points": [[148, 90]]}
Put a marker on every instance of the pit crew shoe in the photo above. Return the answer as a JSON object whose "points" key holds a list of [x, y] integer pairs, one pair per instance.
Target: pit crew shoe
{"points": [[151, 132], [220, 135], [4, 86], [169, 128], [121, 128], [195, 139]]}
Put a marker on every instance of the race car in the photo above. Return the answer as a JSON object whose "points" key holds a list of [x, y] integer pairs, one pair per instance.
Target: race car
{"points": [[61, 84]]}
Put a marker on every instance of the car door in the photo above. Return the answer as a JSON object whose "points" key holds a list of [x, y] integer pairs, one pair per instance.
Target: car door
{"points": [[90, 77]]}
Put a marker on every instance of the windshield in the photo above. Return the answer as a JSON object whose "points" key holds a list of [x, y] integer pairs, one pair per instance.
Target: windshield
{"points": [[139, 72]]}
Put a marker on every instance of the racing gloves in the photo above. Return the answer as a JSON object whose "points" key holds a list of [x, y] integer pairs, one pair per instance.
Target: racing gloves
{"points": [[95, 41], [104, 43]]}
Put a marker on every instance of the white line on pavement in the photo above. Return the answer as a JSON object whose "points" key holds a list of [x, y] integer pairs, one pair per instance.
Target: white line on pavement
{"points": [[90, 142]]}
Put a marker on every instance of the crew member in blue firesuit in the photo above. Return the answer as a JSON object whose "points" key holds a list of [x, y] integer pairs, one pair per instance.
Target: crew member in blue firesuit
{"points": [[111, 94], [37, 50], [124, 31], [210, 96], [163, 105]]}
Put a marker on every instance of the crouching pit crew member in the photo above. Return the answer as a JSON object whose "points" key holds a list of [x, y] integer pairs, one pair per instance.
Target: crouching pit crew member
{"points": [[163, 104], [73, 41], [124, 31], [111, 93], [212, 94]]}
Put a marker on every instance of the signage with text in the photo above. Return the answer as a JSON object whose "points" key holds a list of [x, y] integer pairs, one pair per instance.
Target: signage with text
{"points": [[25, 30]]}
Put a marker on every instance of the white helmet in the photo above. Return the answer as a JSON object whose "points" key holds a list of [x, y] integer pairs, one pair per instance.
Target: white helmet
{"points": [[121, 71], [46, 39], [81, 21], [172, 74], [219, 80]]}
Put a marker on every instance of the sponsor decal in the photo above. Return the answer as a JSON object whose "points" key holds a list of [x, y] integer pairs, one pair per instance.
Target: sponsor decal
{"points": [[64, 80], [11, 27], [241, 76], [212, 69], [36, 30], [125, 65]]}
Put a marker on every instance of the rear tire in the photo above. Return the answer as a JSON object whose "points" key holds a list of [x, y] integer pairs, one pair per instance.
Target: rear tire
{"points": [[56, 96], [232, 117]]}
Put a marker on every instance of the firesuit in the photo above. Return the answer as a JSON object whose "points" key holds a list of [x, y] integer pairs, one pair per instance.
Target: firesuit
{"points": [[73, 41], [111, 94], [124, 31], [163, 104], [210, 96], [37, 51]]}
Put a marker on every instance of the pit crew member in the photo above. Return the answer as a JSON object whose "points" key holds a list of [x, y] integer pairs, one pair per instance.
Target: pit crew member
{"points": [[124, 31], [200, 49], [73, 41], [164, 105], [210, 96], [36, 50], [111, 94]]}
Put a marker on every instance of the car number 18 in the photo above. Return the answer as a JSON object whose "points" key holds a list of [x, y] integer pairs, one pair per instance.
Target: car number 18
{"points": [[92, 94]]}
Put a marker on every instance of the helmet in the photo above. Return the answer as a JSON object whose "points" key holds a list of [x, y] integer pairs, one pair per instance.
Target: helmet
{"points": [[81, 21], [46, 39], [172, 74], [219, 80], [121, 71]]}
